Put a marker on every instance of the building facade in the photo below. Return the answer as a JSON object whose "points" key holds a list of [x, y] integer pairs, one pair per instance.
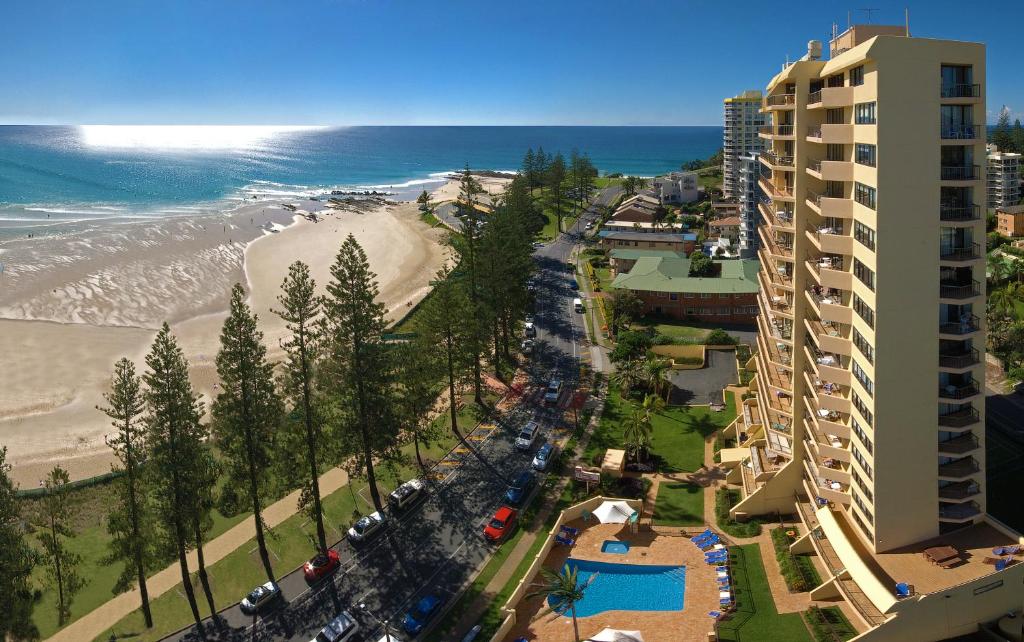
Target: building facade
{"points": [[869, 413], [1010, 221], [743, 119], [684, 243], [676, 187], [1003, 178], [750, 196]]}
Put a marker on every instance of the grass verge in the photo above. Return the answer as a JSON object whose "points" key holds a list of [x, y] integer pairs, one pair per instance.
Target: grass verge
{"points": [[679, 504], [755, 617]]}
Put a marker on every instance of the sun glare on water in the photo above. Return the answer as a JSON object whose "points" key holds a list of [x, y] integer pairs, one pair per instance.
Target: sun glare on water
{"points": [[182, 136]]}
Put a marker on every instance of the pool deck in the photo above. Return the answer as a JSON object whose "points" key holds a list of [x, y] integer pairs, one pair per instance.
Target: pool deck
{"points": [[536, 622]]}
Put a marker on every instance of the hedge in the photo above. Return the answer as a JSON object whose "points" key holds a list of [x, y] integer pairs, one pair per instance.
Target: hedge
{"points": [[829, 624], [798, 571], [726, 498]]}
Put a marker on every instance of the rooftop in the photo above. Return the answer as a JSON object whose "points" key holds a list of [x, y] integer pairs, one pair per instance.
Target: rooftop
{"points": [[725, 222], [671, 274], [649, 236], [632, 254]]}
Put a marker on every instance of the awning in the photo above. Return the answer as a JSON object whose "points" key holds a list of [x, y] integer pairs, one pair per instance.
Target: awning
{"points": [[615, 635], [616, 512]]}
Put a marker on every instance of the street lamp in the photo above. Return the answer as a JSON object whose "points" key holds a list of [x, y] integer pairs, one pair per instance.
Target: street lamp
{"points": [[383, 623]]}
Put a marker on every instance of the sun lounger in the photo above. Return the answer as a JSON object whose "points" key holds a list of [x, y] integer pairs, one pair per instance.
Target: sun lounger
{"points": [[564, 541], [570, 531], [1007, 550], [1003, 563], [706, 533], [722, 568], [716, 614], [903, 590]]}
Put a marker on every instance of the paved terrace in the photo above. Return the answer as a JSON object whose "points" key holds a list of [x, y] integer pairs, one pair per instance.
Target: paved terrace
{"points": [[536, 622]]}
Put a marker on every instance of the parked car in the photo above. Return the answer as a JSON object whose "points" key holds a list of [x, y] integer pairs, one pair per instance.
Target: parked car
{"points": [[340, 629], [419, 615], [321, 565], [547, 453], [503, 522], [406, 494], [577, 305], [590, 225], [366, 527], [528, 435], [522, 485], [553, 392], [528, 318], [260, 598], [527, 346], [530, 330]]}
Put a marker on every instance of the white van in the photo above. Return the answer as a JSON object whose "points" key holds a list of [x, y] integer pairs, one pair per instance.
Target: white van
{"points": [[577, 304]]}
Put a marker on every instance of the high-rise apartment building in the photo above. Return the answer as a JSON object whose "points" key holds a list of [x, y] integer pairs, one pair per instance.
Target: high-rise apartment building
{"points": [[743, 119], [750, 196], [868, 420], [1003, 178]]}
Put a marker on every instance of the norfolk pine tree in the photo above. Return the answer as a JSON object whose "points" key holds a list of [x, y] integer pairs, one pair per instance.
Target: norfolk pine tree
{"points": [[61, 564], [17, 559], [173, 442], [418, 373], [556, 186], [129, 523], [300, 310], [247, 412], [358, 368], [203, 471], [467, 246]]}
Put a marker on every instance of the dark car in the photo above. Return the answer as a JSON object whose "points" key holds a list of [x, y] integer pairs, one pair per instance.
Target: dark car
{"points": [[520, 488], [419, 615], [543, 458], [320, 566]]}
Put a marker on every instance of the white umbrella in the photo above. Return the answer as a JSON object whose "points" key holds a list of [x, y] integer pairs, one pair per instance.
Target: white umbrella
{"points": [[615, 635], [616, 512]]}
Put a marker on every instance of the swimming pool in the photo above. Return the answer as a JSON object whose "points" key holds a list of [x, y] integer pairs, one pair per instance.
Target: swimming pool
{"points": [[628, 587], [615, 546]]}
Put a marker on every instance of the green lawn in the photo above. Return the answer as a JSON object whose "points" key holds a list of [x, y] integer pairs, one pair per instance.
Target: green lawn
{"points": [[755, 617], [603, 182], [679, 504], [677, 443], [604, 278], [678, 330]]}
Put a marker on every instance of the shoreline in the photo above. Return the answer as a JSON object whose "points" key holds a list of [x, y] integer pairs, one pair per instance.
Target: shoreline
{"points": [[58, 368]]}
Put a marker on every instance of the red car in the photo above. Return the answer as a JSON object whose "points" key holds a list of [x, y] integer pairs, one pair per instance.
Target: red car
{"points": [[500, 525], [321, 566]]}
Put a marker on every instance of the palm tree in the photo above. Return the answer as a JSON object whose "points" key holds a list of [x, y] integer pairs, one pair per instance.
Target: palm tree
{"points": [[996, 268], [1004, 301], [636, 433], [641, 183], [655, 374], [627, 375], [624, 308], [652, 405], [562, 591]]}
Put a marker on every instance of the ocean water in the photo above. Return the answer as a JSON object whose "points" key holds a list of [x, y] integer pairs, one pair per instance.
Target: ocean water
{"points": [[55, 179]]}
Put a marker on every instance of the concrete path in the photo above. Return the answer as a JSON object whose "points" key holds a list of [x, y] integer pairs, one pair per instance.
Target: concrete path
{"points": [[100, 619]]}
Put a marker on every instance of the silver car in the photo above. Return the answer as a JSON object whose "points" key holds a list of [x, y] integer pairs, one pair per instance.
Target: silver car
{"points": [[340, 629], [260, 597], [367, 525]]}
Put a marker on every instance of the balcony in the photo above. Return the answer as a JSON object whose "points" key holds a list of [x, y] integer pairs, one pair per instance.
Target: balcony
{"points": [[777, 192], [958, 513], [959, 418], [959, 132], [777, 304], [828, 395], [959, 291], [959, 445], [959, 213], [964, 253], [777, 132], [960, 91], [968, 324], [830, 337], [775, 351], [775, 161], [827, 366], [958, 491], [777, 276], [828, 272], [830, 206], [959, 469], [780, 101], [775, 249], [960, 359], [825, 486], [776, 217], [830, 307], [965, 173], [959, 391], [830, 134], [830, 170], [831, 240], [830, 97]]}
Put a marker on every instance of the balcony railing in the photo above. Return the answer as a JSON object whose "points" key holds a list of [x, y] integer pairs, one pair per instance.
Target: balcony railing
{"points": [[961, 91], [814, 166], [778, 130], [959, 418], [959, 390], [814, 97], [959, 445], [780, 100], [960, 359], [775, 159], [966, 325], [959, 212], [964, 253], [964, 173], [959, 468], [959, 512], [959, 490], [814, 132], [959, 290], [959, 132]]}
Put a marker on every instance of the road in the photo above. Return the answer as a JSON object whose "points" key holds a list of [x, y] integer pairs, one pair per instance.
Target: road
{"points": [[433, 548]]}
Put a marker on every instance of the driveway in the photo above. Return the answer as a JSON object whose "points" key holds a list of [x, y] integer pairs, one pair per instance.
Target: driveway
{"points": [[704, 385]]}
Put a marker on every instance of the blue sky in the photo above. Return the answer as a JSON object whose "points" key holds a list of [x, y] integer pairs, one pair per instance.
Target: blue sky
{"points": [[351, 62]]}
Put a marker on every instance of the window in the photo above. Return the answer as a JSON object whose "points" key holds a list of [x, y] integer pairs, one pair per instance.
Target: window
{"points": [[863, 345], [691, 311], [862, 377], [864, 114], [864, 311], [723, 312], [861, 435], [862, 460], [864, 234], [862, 525], [864, 194], [862, 408], [865, 154], [673, 296], [705, 295], [862, 486], [863, 508], [864, 273], [857, 76]]}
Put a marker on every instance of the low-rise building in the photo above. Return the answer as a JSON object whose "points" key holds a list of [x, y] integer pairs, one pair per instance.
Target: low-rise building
{"points": [[684, 243], [677, 187], [664, 285], [728, 228], [622, 260], [1010, 220], [1003, 184], [640, 208]]}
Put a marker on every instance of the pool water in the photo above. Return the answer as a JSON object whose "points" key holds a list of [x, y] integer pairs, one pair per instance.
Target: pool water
{"points": [[627, 587], [616, 547]]}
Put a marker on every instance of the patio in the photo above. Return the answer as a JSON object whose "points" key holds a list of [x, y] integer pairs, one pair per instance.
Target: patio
{"points": [[536, 622]]}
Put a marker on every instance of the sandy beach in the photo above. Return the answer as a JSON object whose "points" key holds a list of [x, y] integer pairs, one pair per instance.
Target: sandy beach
{"points": [[70, 307]]}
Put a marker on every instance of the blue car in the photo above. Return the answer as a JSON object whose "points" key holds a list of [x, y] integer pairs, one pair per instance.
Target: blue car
{"points": [[420, 614], [520, 489]]}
